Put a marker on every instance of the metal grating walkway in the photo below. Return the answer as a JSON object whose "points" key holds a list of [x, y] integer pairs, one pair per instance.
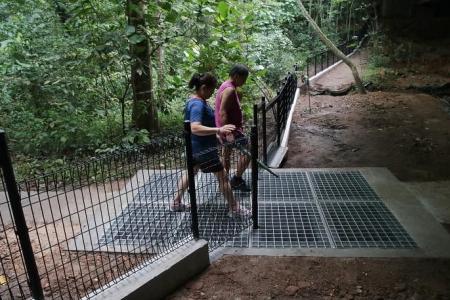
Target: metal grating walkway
{"points": [[300, 209], [322, 209]]}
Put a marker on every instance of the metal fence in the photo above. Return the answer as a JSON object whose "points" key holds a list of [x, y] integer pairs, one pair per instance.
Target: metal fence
{"points": [[80, 229], [271, 117], [323, 59]]}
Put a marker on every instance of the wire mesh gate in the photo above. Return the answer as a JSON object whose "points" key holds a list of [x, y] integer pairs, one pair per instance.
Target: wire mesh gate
{"points": [[69, 233]]}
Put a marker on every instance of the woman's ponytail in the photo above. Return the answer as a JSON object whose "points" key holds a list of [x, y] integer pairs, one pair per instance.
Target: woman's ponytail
{"points": [[199, 79]]}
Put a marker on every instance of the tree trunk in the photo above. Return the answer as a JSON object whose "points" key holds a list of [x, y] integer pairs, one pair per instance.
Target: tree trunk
{"points": [[144, 114], [349, 20], [332, 47], [161, 75]]}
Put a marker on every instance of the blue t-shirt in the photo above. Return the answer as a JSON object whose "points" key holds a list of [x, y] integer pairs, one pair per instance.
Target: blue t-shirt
{"points": [[198, 110]]}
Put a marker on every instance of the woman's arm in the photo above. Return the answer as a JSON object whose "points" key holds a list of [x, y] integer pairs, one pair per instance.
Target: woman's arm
{"points": [[198, 129]]}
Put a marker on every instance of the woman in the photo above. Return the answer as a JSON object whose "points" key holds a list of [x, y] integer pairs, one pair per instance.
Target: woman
{"points": [[204, 141]]}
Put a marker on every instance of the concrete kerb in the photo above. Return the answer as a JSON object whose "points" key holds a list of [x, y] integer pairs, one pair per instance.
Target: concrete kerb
{"points": [[431, 238], [158, 279]]}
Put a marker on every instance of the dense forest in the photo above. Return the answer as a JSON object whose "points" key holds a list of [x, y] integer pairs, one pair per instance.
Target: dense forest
{"points": [[89, 76]]}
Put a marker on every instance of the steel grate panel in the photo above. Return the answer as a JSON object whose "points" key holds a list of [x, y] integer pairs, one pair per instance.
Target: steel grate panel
{"points": [[287, 225], [364, 224], [207, 189], [341, 186], [216, 226], [290, 186], [240, 241], [292, 209], [145, 225], [158, 187]]}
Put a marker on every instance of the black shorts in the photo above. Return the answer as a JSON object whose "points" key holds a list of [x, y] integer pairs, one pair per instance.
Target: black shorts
{"points": [[208, 162], [239, 139]]}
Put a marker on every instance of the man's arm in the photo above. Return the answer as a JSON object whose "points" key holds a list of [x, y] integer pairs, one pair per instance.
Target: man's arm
{"points": [[225, 106]]}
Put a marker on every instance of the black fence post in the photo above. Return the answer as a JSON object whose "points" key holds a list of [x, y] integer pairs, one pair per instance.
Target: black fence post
{"points": [[315, 64], [254, 151], [328, 58], [191, 179], [321, 60], [278, 119], [19, 220], [307, 67], [255, 115], [264, 129]]}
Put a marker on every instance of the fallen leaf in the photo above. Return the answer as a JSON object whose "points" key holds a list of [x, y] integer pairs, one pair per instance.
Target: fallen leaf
{"points": [[3, 280]]}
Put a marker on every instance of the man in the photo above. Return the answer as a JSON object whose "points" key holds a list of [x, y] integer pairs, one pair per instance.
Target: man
{"points": [[228, 111]]}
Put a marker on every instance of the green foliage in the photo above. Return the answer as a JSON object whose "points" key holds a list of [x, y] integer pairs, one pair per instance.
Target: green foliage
{"points": [[65, 65]]}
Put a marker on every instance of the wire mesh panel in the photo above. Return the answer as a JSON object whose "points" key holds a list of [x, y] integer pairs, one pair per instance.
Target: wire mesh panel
{"points": [[151, 225], [289, 186], [224, 209], [288, 225], [13, 277], [94, 221], [342, 186], [365, 224], [315, 209]]}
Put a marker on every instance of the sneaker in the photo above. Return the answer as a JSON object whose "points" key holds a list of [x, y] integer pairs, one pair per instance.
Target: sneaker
{"points": [[238, 183], [180, 207]]}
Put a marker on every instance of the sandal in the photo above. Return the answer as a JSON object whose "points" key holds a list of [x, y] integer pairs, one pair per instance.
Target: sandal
{"points": [[179, 207]]}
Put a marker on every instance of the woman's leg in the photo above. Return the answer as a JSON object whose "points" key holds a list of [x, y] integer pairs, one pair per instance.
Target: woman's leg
{"points": [[225, 188], [181, 188]]}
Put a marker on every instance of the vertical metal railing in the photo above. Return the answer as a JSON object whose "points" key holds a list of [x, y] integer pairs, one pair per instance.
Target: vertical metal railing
{"points": [[191, 178], [264, 129], [254, 166], [320, 61], [21, 227]]}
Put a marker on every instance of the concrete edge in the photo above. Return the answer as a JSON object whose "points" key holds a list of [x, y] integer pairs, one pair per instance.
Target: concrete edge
{"points": [[285, 138], [322, 252], [158, 279], [277, 157]]}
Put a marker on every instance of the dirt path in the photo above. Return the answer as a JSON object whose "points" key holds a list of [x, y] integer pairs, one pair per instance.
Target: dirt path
{"points": [[341, 75], [256, 277], [405, 131]]}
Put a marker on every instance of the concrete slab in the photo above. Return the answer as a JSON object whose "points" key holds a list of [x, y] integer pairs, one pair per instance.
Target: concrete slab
{"points": [[435, 196], [276, 159], [160, 278]]}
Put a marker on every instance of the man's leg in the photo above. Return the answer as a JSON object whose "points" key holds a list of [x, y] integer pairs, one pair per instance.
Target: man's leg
{"points": [[242, 165], [237, 182], [225, 188], [226, 153]]}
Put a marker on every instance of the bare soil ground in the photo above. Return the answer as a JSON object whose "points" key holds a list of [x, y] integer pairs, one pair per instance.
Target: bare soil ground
{"points": [[402, 129], [397, 127], [407, 133], [257, 277]]}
